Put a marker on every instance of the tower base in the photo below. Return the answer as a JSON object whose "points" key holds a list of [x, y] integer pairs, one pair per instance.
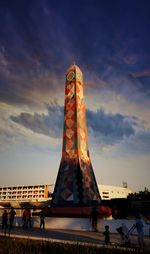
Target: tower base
{"points": [[77, 212]]}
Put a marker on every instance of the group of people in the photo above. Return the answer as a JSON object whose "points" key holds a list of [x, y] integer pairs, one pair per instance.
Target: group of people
{"points": [[94, 222], [8, 219], [123, 230]]}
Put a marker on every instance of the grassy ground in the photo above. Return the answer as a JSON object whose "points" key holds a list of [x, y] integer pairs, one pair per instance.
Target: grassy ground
{"points": [[22, 246]]}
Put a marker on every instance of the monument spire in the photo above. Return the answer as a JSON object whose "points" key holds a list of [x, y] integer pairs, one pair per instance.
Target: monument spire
{"points": [[75, 184]]}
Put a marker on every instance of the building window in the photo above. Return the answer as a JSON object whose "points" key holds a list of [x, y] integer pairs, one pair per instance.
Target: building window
{"points": [[105, 192], [105, 196]]}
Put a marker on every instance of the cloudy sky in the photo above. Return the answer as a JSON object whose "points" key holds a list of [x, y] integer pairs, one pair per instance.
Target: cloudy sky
{"points": [[110, 42]]}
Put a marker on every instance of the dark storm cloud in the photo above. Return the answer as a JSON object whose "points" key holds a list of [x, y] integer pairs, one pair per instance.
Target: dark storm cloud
{"points": [[108, 128], [31, 58], [21, 87], [42, 38], [50, 124], [111, 128]]}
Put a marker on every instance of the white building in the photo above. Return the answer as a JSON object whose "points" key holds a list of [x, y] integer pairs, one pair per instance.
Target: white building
{"points": [[108, 192]]}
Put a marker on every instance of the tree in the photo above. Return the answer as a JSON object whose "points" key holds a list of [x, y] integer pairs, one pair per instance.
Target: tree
{"points": [[141, 195]]}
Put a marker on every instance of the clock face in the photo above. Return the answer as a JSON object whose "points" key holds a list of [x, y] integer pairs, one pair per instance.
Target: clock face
{"points": [[70, 76]]}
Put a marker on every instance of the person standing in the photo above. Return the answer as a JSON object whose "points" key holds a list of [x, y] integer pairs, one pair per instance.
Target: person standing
{"points": [[24, 219], [42, 220], [139, 227], [4, 220], [106, 233], [29, 218], [94, 218], [11, 218]]}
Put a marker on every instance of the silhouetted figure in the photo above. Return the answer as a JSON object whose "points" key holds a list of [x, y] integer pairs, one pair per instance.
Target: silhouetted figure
{"points": [[29, 218], [12, 214], [147, 221], [94, 218], [106, 233], [42, 220], [24, 219], [5, 220], [139, 227]]}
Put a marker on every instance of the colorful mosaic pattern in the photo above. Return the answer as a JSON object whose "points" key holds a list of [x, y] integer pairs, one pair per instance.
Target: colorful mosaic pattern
{"points": [[75, 184]]}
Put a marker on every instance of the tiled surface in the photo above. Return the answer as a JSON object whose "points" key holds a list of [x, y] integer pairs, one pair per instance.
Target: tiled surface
{"points": [[76, 182]]}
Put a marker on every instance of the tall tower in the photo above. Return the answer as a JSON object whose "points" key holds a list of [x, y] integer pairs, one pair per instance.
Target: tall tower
{"points": [[76, 184]]}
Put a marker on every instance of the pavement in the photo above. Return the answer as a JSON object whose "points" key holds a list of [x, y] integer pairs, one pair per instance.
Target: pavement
{"points": [[70, 236]]}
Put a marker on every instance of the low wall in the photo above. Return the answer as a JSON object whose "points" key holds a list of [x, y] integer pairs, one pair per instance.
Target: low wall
{"points": [[83, 224]]}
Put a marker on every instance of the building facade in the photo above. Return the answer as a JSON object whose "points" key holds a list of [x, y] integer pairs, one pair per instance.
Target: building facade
{"points": [[44, 192], [24, 193], [109, 192]]}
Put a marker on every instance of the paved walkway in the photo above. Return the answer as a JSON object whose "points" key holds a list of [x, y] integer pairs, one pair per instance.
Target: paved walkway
{"points": [[69, 236]]}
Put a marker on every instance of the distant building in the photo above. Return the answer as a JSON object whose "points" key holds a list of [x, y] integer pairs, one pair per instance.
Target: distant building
{"points": [[108, 192], [43, 192], [24, 193]]}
